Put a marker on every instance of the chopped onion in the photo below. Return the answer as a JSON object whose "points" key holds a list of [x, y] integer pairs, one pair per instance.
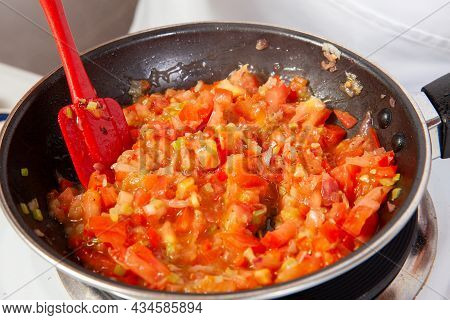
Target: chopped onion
{"points": [[179, 204]]}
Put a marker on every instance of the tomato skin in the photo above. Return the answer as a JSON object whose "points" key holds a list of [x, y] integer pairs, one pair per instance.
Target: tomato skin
{"points": [[344, 117], [280, 236], [332, 135]]}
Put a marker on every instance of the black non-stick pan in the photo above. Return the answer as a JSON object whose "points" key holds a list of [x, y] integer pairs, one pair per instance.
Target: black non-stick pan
{"points": [[179, 56]]}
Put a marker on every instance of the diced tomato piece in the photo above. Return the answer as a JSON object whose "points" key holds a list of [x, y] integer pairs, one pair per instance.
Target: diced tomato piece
{"points": [[345, 175], [240, 241], [338, 213], [65, 198], [331, 231], [153, 237], [386, 172], [308, 265], [372, 139], [246, 180], [141, 261], [387, 159], [280, 236], [184, 220], [332, 135], [363, 209], [108, 231], [347, 120], [277, 95], [91, 203], [329, 190], [109, 196], [369, 228]]}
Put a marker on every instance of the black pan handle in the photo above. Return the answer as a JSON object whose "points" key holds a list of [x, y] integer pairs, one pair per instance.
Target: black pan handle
{"points": [[438, 92]]}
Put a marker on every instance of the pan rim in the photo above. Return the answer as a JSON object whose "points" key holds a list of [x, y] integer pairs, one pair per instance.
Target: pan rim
{"points": [[274, 291]]}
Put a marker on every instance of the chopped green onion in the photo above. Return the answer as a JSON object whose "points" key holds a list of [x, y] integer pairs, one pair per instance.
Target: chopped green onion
{"points": [[396, 193], [174, 278], [119, 270], [24, 172], [24, 208], [396, 177], [37, 215], [387, 182], [176, 145]]}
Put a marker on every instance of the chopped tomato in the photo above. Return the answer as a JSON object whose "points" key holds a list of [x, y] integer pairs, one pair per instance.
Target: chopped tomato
{"points": [[363, 209], [277, 95], [114, 233], [109, 196], [280, 236], [347, 120], [332, 135], [141, 261]]}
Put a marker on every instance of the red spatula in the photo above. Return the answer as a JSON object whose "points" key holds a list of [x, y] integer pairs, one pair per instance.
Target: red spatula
{"points": [[94, 129]]}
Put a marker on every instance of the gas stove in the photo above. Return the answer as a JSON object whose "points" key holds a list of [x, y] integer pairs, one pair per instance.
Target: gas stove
{"points": [[414, 266]]}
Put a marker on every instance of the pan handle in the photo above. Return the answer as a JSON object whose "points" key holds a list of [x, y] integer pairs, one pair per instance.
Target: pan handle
{"points": [[438, 92]]}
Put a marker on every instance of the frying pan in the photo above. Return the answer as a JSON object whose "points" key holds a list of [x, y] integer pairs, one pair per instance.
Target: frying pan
{"points": [[179, 56]]}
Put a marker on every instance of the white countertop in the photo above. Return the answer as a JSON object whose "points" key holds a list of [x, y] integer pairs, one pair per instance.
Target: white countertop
{"points": [[28, 276]]}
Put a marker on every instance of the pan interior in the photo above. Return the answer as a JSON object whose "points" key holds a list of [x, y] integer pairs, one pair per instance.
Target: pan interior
{"points": [[177, 57]]}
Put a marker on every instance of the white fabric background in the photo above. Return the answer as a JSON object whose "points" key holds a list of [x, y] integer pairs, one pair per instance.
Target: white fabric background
{"points": [[418, 57]]}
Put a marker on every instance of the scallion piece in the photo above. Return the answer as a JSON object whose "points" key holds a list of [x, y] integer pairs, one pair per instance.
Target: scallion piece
{"points": [[24, 172], [24, 208], [396, 193], [37, 215]]}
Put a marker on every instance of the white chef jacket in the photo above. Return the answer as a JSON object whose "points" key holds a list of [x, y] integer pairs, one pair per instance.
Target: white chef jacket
{"points": [[417, 57]]}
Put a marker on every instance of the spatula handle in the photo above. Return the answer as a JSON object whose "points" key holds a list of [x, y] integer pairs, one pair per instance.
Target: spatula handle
{"points": [[79, 84]]}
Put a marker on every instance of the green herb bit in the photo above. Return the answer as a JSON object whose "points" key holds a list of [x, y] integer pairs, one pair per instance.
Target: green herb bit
{"points": [[37, 215]]}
